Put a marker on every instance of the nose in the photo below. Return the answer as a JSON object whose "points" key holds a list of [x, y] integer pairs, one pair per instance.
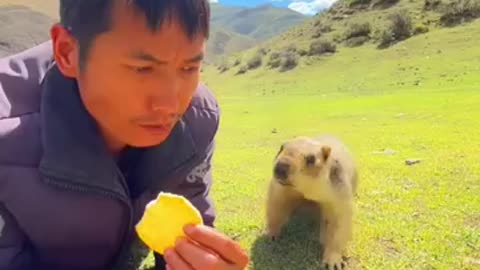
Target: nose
{"points": [[281, 170], [164, 95]]}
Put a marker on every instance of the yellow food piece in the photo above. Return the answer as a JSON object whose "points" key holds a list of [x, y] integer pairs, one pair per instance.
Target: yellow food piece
{"points": [[164, 220]]}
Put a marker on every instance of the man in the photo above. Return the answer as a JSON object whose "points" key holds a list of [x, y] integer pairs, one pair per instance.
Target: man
{"points": [[94, 124]]}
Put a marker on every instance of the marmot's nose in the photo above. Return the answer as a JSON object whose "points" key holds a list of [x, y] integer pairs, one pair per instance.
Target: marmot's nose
{"points": [[281, 170]]}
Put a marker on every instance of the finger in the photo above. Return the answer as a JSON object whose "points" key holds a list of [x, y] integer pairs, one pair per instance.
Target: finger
{"points": [[218, 242], [175, 261], [198, 257]]}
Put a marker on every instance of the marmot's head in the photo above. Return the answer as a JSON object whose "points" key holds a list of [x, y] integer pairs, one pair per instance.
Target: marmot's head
{"points": [[300, 159]]}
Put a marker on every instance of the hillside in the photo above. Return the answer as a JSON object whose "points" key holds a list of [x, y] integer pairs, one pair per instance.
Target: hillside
{"points": [[354, 23], [20, 34]]}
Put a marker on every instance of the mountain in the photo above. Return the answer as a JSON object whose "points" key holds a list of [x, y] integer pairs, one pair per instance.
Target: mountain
{"points": [[259, 23], [238, 28]]}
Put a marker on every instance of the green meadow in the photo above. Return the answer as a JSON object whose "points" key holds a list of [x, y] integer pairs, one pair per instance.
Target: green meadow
{"points": [[416, 100]]}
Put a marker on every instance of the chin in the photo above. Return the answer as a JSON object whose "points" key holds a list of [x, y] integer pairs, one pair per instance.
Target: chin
{"points": [[149, 141]]}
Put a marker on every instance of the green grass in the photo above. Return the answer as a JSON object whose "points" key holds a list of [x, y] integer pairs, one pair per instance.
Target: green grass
{"points": [[419, 98]]}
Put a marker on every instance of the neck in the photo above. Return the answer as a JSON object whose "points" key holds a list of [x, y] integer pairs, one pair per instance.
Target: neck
{"points": [[114, 146]]}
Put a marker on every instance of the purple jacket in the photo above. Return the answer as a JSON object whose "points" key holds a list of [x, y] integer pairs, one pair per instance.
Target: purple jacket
{"points": [[64, 202]]}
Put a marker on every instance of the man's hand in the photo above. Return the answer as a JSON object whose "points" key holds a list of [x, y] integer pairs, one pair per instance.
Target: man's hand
{"points": [[206, 249]]}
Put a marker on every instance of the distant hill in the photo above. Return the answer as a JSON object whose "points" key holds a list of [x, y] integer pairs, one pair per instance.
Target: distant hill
{"points": [[260, 23], [239, 28]]}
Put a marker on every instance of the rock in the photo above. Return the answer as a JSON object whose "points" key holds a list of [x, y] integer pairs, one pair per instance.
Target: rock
{"points": [[274, 131], [386, 151], [410, 162]]}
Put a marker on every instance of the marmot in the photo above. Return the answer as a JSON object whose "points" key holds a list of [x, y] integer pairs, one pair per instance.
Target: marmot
{"points": [[319, 170]]}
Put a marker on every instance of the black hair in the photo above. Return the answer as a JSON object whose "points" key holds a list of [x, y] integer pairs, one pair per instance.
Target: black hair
{"points": [[86, 19]]}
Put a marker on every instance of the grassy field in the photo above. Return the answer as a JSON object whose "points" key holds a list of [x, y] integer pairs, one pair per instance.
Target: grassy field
{"points": [[419, 98]]}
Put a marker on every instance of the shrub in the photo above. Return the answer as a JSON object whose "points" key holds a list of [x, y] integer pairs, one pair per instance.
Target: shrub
{"points": [[356, 41], [237, 62], [399, 28], [420, 29], [432, 5], [401, 25], [302, 52], [255, 62], [242, 70], [320, 29], [384, 3], [359, 3], [319, 47], [358, 30], [262, 51], [460, 11], [274, 60], [291, 48], [223, 67], [288, 61]]}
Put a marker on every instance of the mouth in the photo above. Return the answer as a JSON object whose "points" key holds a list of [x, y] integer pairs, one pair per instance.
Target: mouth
{"points": [[284, 183], [156, 129]]}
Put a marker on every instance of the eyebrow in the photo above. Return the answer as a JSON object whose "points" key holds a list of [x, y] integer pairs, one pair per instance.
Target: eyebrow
{"points": [[150, 58]]}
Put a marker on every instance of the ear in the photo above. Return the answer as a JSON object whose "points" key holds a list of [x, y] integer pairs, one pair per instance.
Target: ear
{"points": [[65, 51], [279, 151], [326, 151]]}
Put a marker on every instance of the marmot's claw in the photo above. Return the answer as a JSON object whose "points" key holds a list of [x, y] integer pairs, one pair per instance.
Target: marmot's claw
{"points": [[334, 261], [272, 235]]}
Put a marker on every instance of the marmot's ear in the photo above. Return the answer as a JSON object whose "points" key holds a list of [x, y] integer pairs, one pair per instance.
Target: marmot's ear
{"points": [[279, 151], [326, 151]]}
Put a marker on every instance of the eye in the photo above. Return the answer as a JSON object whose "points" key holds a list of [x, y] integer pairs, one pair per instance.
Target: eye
{"points": [[143, 70], [191, 69], [310, 160]]}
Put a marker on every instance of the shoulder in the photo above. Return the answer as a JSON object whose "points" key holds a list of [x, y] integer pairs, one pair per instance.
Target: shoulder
{"points": [[20, 96], [203, 117], [20, 80]]}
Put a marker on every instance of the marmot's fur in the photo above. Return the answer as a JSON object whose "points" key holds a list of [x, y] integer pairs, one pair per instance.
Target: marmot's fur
{"points": [[319, 170]]}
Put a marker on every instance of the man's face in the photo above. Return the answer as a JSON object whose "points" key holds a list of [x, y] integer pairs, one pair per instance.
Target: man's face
{"points": [[137, 83]]}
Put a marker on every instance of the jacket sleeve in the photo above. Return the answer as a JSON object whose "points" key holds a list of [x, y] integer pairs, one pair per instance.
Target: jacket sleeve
{"points": [[15, 253], [196, 188]]}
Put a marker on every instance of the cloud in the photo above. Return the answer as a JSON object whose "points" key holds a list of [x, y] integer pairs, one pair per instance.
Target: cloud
{"points": [[311, 7], [213, 1]]}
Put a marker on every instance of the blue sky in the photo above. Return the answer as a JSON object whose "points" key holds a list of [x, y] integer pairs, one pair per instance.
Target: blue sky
{"points": [[307, 7]]}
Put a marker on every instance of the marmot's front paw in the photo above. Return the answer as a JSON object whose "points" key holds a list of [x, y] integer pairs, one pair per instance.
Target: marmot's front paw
{"points": [[272, 233], [333, 261]]}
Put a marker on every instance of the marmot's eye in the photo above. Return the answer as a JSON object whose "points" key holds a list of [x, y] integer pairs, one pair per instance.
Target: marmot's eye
{"points": [[310, 160]]}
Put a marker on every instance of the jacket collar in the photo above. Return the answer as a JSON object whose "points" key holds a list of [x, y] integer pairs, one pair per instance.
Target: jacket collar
{"points": [[75, 154]]}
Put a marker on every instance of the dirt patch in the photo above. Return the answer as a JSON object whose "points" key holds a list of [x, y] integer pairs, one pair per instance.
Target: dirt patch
{"points": [[473, 221], [389, 247]]}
